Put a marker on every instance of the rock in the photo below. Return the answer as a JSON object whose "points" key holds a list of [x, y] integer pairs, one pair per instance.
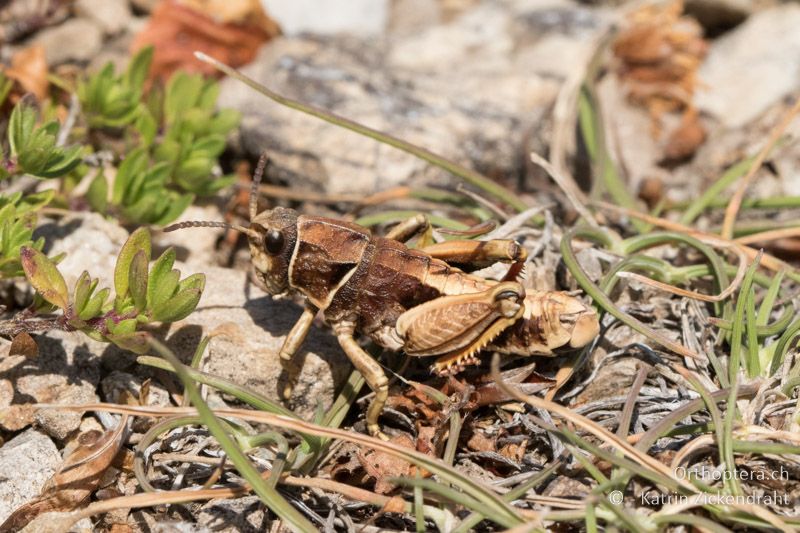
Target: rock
{"points": [[112, 16], [117, 50], [245, 515], [60, 424], [752, 67], [65, 372], [409, 16], [26, 463], [356, 17], [470, 90], [200, 249], [252, 328], [90, 243], [76, 39]]}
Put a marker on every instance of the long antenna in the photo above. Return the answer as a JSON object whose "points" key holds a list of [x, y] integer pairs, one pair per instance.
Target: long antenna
{"points": [[257, 176], [210, 224]]}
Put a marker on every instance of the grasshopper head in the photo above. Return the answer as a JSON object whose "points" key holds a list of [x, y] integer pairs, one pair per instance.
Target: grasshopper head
{"points": [[272, 235]]}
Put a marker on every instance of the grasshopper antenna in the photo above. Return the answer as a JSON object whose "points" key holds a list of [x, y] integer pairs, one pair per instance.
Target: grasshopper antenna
{"points": [[257, 176], [210, 224]]}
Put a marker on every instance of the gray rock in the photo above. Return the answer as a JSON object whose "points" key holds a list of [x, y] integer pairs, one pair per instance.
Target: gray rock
{"points": [[26, 463], [752, 67], [409, 16], [66, 371], [251, 328], [77, 40], [112, 16], [356, 17], [471, 90], [61, 424], [197, 248]]}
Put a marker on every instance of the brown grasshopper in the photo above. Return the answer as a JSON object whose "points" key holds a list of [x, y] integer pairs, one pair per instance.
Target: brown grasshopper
{"points": [[401, 298]]}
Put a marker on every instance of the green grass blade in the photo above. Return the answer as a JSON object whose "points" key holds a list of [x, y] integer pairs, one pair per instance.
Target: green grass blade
{"points": [[271, 498]]}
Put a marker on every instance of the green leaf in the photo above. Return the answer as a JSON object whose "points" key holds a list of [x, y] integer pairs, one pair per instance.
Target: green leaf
{"points": [[224, 121], [176, 207], [165, 289], [97, 195], [208, 96], [192, 121], [44, 276], [137, 342], [138, 69], [183, 91], [178, 307], [33, 155], [95, 305], [123, 327], [34, 202], [195, 281], [158, 275], [209, 146], [138, 241], [35, 148], [20, 126], [83, 289], [146, 126], [144, 209], [134, 164], [137, 280]]}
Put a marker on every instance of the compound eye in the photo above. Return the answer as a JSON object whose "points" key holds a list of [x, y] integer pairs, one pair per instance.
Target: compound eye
{"points": [[273, 241]]}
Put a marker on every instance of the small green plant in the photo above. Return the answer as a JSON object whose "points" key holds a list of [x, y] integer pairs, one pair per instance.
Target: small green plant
{"points": [[174, 137], [17, 221], [143, 294], [34, 150], [195, 133], [113, 101], [140, 191]]}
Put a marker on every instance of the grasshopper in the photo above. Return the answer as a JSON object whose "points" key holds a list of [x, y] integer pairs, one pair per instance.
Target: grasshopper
{"points": [[412, 300]]}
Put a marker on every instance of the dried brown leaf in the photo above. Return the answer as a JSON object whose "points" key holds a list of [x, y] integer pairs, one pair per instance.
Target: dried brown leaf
{"points": [[426, 440], [684, 140], [659, 52], [23, 344], [76, 479], [178, 29], [514, 451], [381, 466], [29, 69]]}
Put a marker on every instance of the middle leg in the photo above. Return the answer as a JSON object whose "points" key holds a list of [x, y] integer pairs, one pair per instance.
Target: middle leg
{"points": [[372, 372]]}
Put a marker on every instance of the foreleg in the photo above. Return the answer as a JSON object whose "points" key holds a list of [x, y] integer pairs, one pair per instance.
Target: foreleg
{"points": [[291, 344]]}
